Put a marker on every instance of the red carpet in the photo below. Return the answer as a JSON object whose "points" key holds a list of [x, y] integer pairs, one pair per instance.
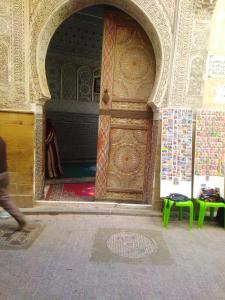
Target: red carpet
{"points": [[71, 192]]}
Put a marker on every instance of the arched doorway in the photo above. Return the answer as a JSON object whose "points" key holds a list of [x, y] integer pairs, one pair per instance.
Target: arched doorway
{"points": [[44, 24], [125, 122]]}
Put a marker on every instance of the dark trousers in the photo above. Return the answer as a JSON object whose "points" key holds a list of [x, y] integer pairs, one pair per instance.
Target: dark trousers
{"points": [[5, 201]]}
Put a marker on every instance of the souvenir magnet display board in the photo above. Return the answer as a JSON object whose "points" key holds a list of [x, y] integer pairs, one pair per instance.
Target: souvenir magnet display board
{"points": [[209, 151], [176, 152]]}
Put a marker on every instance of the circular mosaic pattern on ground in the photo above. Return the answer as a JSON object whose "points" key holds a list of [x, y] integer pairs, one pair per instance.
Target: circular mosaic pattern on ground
{"points": [[131, 245]]}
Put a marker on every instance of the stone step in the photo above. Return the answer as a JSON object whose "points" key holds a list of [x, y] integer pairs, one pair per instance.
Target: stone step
{"points": [[101, 208]]}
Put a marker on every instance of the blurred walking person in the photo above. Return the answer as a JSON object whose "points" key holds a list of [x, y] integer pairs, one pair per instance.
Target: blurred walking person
{"points": [[5, 201]]}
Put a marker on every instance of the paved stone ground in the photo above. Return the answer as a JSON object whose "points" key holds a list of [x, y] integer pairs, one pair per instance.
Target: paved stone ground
{"points": [[67, 261]]}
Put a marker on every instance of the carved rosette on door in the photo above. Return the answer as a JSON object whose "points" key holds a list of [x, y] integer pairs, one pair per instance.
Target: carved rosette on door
{"points": [[124, 147]]}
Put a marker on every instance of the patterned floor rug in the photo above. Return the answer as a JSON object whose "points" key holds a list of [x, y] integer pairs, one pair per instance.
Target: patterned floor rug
{"points": [[70, 192], [12, 239]]}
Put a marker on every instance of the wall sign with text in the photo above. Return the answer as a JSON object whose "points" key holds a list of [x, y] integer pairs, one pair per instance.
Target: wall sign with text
{"points": [[216, 66]]}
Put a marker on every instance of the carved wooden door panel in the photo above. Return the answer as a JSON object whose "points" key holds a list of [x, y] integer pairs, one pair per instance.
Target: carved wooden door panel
{"points": [[125, 123]]}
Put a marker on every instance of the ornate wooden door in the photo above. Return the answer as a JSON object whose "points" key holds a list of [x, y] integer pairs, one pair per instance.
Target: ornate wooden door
{"points": [[125, 123]]}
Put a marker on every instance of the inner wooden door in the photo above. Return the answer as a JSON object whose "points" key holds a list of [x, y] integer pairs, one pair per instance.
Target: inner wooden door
{"points": [[125, 121]]}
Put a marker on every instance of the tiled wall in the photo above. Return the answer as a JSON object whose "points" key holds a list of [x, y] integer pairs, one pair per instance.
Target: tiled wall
{"points": [[18, 131]]}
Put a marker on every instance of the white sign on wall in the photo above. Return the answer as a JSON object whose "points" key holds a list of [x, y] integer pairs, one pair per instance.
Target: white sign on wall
{"points": [[220, 94], [216, 66]]}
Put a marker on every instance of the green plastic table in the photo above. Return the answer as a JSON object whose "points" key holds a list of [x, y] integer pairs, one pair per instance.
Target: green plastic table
{"points": [[168, 204], [203, 205]]}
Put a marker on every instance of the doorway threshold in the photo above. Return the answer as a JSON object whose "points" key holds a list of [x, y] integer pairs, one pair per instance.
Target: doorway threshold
{"points": [[95, 208], [69, 180], [95, 203]]}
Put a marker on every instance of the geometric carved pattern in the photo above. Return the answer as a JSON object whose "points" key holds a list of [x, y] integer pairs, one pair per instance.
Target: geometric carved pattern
{"points": [[137, 197], [84, 84], [148, 175], [4, 61], [4, 27], [19, 59], [201, 36], [39, 168], [127, 159], [12, 53], [107, 61], [4, 8], [134, 65], [125, 105], [102, 155], [205, 5], [131, 122], [180, 71], [195, 81], [170, 8]]}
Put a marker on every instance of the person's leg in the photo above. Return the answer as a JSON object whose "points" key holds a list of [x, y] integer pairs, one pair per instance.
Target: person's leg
{"points": [[7, 204]]}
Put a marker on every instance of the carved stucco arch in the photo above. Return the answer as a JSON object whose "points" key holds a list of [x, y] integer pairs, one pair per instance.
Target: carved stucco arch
{"points": [[47, 17]]}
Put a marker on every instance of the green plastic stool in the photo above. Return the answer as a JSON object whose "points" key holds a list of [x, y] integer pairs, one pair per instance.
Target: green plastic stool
{"points": [[203, 205], [167, 205]]}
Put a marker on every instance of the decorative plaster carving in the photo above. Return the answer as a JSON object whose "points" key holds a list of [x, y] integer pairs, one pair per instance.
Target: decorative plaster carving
{"points": [[39, 172], [196, 74], [4, 26], [4, 8], [204, 8], [4, 63], [18, 44], [201, 36], [169, 6], [192, 40], [198, 56], [182, 54], [12, 31], [49, 15]]}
